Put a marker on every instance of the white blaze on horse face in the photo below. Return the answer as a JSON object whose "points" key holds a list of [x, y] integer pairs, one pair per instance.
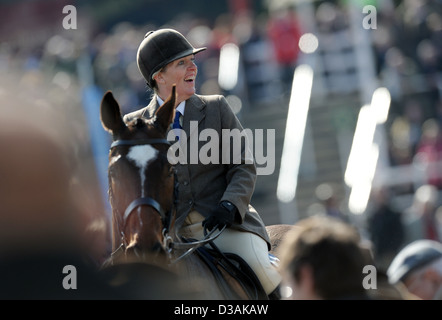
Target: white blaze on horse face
{"points": [[142, 156]]}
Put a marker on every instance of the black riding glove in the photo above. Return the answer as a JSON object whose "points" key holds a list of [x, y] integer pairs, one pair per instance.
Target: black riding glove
{"points": [[224, 215]]}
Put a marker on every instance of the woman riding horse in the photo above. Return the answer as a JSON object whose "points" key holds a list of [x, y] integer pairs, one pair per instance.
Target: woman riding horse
{"points": [[214, 194]]}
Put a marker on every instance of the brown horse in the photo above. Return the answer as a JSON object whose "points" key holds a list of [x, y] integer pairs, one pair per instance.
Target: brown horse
{"points": [[141, 187]]}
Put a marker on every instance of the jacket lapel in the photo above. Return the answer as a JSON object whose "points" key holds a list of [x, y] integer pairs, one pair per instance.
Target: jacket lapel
{"points": [[195, 111]]}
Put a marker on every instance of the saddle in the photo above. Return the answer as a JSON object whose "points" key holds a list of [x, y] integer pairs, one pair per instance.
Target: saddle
{"points": [[234, 276]]}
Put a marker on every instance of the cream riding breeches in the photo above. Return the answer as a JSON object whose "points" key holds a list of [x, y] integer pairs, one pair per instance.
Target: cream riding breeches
{"points": [[249, 246]]}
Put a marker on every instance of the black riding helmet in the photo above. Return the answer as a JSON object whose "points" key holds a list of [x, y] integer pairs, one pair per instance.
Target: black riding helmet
{"points": [[160, 48]]}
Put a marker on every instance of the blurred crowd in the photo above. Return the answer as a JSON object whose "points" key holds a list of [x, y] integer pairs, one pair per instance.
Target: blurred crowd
{"points": [[266, 62], [408, 53], [52, 74]]}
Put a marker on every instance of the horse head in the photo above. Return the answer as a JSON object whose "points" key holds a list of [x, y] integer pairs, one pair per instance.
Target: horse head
{"points": [[141, 179]]}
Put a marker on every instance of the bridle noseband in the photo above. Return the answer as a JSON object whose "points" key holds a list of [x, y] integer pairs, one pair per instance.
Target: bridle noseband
{"points": [[128, 142]]}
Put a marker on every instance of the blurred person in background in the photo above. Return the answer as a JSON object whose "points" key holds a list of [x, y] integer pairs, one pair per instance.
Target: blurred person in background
{"points": [[325, 258], [284, 33], [48, 193], [429, 151], [419, 219], [322, 259], [214, 195], [385, 228], [41, 230], [419, 267], [405, 132]]}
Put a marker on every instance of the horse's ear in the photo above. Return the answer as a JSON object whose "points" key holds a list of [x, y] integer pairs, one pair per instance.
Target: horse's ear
{"points": [[164, 114], [110, 114]]}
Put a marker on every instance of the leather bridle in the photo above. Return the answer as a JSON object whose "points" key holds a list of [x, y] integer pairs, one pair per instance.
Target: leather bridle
{"points": [[168, 243], [145, 201]]}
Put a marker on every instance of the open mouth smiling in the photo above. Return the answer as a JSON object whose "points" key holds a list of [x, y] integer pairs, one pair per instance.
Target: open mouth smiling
{"points": [[190, 79]]}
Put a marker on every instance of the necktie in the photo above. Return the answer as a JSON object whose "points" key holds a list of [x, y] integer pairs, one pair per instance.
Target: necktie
{"points": [[176, 126]]}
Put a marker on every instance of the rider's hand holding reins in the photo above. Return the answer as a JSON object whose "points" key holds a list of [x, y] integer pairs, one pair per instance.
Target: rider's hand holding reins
{"points": [[224, 215]]}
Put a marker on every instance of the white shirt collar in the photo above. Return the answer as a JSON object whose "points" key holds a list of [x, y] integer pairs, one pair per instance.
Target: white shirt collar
{"points": [[181, 107]]}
